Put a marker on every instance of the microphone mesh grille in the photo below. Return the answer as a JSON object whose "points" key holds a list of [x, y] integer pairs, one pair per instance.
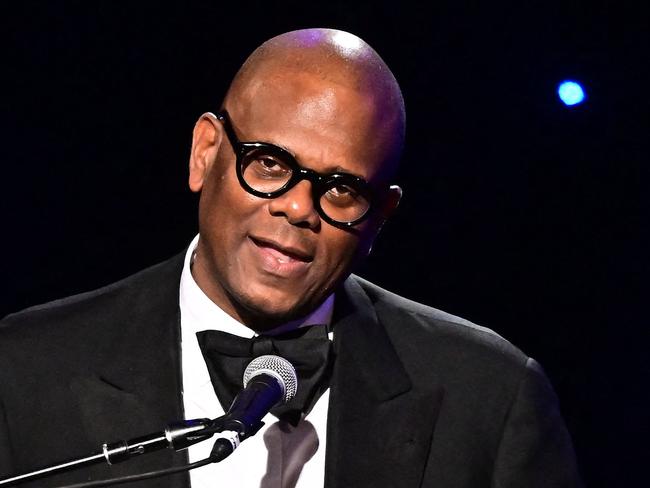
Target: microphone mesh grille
{"points": [[277, 367]]}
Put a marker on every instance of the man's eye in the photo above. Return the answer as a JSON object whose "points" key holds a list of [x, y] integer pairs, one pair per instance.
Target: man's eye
{"points": [[342, 195], [341, 190], [269, 167]]}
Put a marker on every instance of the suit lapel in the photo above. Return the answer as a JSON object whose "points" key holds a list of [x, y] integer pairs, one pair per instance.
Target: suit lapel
{"points": [[135, 388], [379, 425]]}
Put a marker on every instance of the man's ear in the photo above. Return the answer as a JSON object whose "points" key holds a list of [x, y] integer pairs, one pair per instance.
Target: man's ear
{"points": [[391, 202], [388, 207], [206, 139]]}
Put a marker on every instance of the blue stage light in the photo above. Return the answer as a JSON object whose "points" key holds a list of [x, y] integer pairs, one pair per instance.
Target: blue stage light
{"points": [[571, 93]]}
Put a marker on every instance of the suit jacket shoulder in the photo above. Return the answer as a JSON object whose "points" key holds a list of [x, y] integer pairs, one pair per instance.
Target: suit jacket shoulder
{"points": [[426, 327], [149, 285], [494, 417], [88, 369]]}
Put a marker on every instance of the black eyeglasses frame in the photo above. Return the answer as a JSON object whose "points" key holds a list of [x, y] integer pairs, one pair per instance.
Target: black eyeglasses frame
{"points": [[320, 183]]}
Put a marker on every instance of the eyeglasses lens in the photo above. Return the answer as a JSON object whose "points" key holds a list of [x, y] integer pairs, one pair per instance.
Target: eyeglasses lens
{"points": [[265, 172]]}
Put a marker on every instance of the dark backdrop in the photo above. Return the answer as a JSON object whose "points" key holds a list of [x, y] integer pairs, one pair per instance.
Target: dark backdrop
{"points": [[519, 213]]}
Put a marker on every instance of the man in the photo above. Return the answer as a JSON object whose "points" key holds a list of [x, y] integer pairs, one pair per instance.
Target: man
{"points": [[294, 174]]}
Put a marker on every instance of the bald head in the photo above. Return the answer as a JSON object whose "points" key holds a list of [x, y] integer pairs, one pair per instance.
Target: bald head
{"points": [[327, 72]]}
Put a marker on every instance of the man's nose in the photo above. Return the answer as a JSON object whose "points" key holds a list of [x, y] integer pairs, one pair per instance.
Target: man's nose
{"points": [[297, 205]]}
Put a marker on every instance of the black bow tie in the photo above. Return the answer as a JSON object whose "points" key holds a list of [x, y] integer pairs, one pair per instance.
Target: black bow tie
{"points": [[308, 349]]}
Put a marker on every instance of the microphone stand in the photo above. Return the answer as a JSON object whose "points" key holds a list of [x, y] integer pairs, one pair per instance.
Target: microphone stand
{"points": [[177, 436]]}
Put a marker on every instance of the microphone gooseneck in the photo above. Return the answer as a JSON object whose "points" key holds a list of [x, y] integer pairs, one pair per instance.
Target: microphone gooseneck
{"points": [[268, 380]]}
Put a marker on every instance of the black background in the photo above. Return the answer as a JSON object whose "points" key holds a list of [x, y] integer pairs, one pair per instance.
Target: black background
{"points": [[519, 213]]}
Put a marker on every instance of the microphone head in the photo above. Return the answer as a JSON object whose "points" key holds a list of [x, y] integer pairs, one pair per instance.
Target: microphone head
{"points": [[279, 368]]}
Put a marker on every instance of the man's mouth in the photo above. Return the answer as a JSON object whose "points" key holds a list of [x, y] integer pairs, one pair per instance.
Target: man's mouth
{"points": [[283, 254]]}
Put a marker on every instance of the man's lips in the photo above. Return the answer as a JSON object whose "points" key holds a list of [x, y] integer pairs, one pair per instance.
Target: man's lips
{"points": [[283, 253]]}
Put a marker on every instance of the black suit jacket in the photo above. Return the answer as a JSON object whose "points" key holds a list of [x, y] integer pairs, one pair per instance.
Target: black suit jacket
{"points": [[419, 398]]}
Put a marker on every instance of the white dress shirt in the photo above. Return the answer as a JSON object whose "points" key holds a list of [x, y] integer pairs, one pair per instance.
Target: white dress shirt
{"points": [[246, 467]]}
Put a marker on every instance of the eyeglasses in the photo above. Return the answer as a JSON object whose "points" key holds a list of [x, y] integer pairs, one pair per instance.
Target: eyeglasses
{"points": [[268, 171]]}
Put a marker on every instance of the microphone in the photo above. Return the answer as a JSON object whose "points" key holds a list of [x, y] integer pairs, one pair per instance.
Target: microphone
{"points": [[268, 380]]}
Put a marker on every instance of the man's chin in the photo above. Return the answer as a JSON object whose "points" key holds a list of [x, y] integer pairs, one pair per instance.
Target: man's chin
{"points": [[263, 313]]}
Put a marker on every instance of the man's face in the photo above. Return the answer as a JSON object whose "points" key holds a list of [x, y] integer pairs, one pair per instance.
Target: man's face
{"points": [[271, 260]]}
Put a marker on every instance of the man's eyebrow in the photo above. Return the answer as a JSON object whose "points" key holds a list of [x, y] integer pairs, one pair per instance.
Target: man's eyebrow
{"points": [[334, 168], [341, 169]]}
